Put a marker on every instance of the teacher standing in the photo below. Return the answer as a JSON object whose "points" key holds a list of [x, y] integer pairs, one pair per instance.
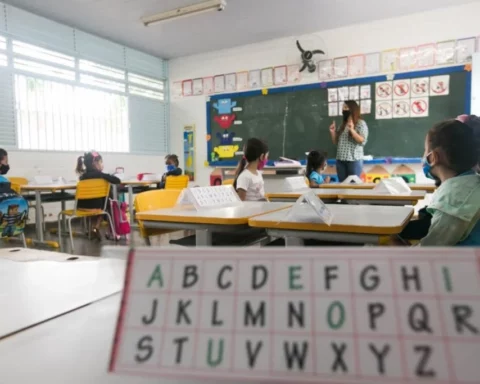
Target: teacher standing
{"points": [[350, 138]]}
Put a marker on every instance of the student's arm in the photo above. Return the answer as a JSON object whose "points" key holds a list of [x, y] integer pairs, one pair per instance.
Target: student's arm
{"points": [[175, 172], [361, 136], [445, 230], [333, 133], [242, 194], [110, 178], [243, 183]]}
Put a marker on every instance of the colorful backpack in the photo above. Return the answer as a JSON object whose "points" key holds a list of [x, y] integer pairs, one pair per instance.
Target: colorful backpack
{"points": [[13, 210], [119, 217]]}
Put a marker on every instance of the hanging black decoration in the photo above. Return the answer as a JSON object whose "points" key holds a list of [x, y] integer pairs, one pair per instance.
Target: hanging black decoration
{"points": [[307, 58]]}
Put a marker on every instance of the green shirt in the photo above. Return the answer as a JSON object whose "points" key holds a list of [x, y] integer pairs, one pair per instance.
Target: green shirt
{"points": [[347, 148]]}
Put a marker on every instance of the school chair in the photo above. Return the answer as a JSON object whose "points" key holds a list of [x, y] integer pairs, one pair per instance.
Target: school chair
{"points": [[16, 184], [228, 182], [151, 200], [177, 182], [86, 190]]}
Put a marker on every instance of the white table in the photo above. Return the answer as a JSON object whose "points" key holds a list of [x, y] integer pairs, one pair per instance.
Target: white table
{"points": [[206, 221], [326, 195], [371, 197], [74, 349], [351, 224], [32, 292]]}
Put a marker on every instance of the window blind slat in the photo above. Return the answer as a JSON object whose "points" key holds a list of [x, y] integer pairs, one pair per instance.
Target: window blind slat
{"points": [[3, 18], [145, 64], [8, 134], [96, 48], [37, 29], [148, 128]]}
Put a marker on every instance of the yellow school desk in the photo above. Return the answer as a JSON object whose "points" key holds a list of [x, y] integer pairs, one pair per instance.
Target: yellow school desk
{"points": [[429, 188], [327, 195], [206, 221], [363, 224], [371, 197], [39, 189], [33, 292]]}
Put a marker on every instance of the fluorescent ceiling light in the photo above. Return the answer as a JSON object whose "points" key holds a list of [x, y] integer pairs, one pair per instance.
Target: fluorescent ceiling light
{"points": [[194, 9]]}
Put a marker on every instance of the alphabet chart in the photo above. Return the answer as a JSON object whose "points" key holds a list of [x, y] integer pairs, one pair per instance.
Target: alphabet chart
{"points": [[209, 197], [330, 315]]}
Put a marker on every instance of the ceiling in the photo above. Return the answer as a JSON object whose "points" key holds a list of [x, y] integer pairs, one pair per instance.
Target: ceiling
{"points": [[242, 22]]}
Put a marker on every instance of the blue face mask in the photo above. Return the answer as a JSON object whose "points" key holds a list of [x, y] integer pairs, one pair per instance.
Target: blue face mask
{"points": [[169, 167], [427, 168]]}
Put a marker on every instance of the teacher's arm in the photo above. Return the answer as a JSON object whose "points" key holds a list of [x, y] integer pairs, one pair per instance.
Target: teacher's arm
{"points": [[333, 133], [360, 134]]}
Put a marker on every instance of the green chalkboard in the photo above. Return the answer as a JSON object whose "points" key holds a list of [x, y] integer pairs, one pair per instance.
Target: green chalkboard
{"points": [[295, 120]]}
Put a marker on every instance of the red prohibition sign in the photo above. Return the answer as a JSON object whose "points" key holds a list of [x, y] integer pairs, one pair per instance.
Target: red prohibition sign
{"points": [[419, 107], [401, 89], [384, 90]]}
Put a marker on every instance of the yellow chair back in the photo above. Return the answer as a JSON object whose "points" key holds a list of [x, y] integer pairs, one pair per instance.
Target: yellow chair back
{"points": [[92, 189], [177, 182], [156, 199], [228, 182], [17, 182]]}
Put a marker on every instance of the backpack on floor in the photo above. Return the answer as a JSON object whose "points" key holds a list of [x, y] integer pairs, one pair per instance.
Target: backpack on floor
{"points": [[13, 210], [119, 217]]}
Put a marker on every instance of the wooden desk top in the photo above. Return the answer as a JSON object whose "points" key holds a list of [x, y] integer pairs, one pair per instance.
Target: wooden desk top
{"points": [[429, 188], [238, 215], [365, 219], [32, 292], [48, 187], [140, 182], [370, 194], [330, 193]]}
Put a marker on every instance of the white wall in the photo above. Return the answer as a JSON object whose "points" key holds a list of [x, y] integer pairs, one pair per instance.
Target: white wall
{"points": [[428, 27]]}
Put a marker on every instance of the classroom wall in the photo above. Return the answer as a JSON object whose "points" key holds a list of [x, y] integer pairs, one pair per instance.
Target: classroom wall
{"points": [[427, 27]]}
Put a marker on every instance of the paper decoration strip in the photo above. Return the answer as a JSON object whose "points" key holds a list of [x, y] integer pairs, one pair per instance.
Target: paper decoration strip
{"points": [[464, 50], [242, 80], [219, 83], [445, 52], [254, 79], [372, 63], [337, 315], [178, 89], [356, 65], [340, 67], [267, 77], [407, 59], [187, 88], [231, 82], [390, 60], [198, 87], [280, 75], [208, 87], [426, 55], [325, 70], [293, 74]]}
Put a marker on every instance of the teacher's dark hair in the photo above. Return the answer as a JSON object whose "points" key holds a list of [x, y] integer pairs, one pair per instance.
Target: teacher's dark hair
{"points": [[354, 109]]}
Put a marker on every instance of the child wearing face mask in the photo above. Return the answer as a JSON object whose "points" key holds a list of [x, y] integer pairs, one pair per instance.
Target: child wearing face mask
{"points": [[4, 167], [248, 177], [316, 165], [90, 166], [451, 153], [171, 169]]}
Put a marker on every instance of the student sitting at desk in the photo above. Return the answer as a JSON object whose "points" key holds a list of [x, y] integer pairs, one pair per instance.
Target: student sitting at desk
{"points": [[248, 178], [90, 166], [171, 169], [316, 165], [450, 155], [4, 167]]}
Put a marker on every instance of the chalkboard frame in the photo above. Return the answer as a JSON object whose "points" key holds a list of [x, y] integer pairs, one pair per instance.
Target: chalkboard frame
{"points": [[337, 84]]}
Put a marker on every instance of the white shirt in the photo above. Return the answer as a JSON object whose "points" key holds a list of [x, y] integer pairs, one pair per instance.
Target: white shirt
{"points": [[252, 184]]}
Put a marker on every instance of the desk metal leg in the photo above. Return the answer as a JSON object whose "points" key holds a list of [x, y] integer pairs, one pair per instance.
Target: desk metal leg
{"points": [[203, 238], [115, 192], [64, 207], [130, 204], [294, 242], [38, 216]]}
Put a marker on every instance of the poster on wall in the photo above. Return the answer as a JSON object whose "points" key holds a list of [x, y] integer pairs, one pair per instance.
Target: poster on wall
{"points": [[365, 92], [242, 81], [219, 83], [384, 110], [332, 95], [231, 82], [356, 65], [254, 79], [390, 60], [354, 93], [366, 107], [280, 75], [445, 54], [189, 151], [384, 90], [187, 88], [426, 55], [343, 93], [208, 87], [440, 85], [177, 89], [401, 109], [325, 70], [293, 73], [401, 89], [340, 67], [267, 77], [420, 87], [464, 50], [332, 109], [198, 87], [372, 63], [407, 59], [419, 107]]}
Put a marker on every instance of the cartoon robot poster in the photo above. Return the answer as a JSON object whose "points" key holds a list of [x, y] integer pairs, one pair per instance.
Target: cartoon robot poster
{"points": [[224, 143]]}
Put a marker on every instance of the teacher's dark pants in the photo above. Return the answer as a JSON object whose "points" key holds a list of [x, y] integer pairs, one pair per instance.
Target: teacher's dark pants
{"points": [[349, 168]]}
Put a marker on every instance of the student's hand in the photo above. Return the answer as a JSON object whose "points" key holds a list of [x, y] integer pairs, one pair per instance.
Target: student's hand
{"points": [[333, 127], [328, 179], [350, 125]]}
